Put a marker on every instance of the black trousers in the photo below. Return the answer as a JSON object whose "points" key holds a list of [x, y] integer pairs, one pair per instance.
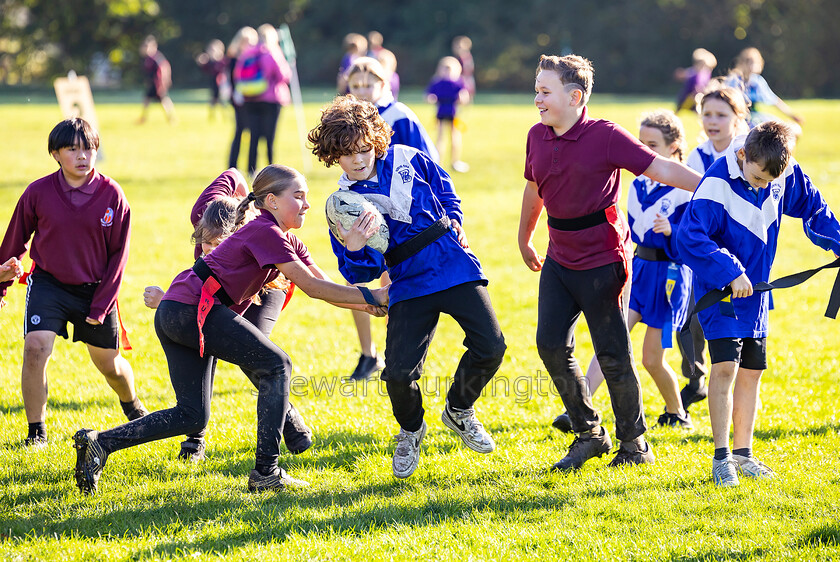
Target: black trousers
{"points": [[231, 338], [597, 292], [264, 316], [411, 327], [261, 120], [239, 120]]}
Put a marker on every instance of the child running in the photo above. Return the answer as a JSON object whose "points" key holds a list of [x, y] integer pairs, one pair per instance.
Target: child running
{"points": [[79, 224], [432, 271], [195, 330], [572, 169], [661, 284], [723, 114], [214, 220], [367, 80], [728, 236]]}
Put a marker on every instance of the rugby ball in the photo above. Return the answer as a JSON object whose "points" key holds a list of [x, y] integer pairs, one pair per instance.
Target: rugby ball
{"points": [[344, 207]]}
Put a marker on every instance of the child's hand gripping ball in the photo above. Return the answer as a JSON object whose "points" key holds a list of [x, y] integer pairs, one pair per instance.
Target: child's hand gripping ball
{"points": [[344, 207]]}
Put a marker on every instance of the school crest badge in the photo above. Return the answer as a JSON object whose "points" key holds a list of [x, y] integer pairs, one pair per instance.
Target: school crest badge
{"points": [[405, 173], [108, 218]]}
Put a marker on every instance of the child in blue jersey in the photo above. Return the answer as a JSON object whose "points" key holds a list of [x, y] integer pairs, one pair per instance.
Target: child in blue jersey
{"points": [[447, 89], [723, 114], [661, 284], [431, 266], [367, 79], [728, 236]]}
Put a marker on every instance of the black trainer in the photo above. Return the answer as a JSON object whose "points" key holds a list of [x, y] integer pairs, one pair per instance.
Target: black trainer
{"points": [[90, 460], [296, 435], [692, 395], [366, 367], [274, 482], [36, 442], [563, 422], [192, 450], [630, 454], [584, 447], [675, 420]]}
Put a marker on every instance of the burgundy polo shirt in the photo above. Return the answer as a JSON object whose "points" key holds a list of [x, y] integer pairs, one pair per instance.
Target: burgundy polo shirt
{"points": [[578, 173]]}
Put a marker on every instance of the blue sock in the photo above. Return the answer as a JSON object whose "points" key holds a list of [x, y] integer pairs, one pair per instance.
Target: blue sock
{"points": [[722, 453], [745, 452]]}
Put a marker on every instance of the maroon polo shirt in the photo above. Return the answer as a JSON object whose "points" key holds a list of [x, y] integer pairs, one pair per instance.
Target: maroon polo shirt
{"points": [[223, 186], [578, 173], [244, 263]]}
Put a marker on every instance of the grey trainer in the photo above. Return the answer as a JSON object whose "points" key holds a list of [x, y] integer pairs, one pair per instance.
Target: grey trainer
{"points": [[471, 431], [278, 480], [751, 468], [407, 453], [725, 472]]}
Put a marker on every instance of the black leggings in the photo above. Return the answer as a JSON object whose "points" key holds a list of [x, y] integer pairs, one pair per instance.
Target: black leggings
{"points": [[261, 120], [597, 292], [239, 119], [263, 316], [411, 327], [231, 338]]}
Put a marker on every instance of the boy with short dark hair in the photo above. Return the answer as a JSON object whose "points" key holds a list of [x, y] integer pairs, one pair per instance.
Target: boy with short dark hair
{"points": [[572, 169], [728, 236], [432, 271], [79, 223]]}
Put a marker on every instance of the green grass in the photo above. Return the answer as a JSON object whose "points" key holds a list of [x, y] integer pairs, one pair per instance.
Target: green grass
{"points": [[458, 505]]}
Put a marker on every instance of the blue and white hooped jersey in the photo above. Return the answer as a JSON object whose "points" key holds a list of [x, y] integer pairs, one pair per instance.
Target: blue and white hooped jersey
{"points": [[406, 126], [729, 229], [412, 193], [702, 157], [661, 301], [646, 200]]}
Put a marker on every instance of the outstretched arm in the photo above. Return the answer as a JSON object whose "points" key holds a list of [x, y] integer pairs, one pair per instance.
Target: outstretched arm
{"points": [[532, 206], [328, 291], [673, 173], [370, 309]]}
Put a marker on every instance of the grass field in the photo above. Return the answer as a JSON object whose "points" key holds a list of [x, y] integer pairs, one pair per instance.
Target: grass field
{"points": [[458, 505]]}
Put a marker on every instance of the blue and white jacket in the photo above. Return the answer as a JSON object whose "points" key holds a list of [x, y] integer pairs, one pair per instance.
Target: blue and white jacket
{"points": [[729, 229], [406, 126], [412, 193], [702, 157], [649, 198]]}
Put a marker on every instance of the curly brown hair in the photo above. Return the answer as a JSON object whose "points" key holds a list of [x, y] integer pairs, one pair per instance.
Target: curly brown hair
{"points": [[346, 125]]}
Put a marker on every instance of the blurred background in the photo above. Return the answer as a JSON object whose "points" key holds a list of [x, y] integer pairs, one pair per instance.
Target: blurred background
{"points": [[635, 45]]}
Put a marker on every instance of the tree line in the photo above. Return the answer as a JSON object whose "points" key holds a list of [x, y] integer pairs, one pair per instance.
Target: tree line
{"points": [[635, 45]]}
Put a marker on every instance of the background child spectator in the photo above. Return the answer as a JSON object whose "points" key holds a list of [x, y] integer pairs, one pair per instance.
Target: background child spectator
{"points": [[355, 46], [158, 79], [262, 77], [245, 39], [695, 78], [461, 49], [746, 76], [212, 63], [447, 90]]}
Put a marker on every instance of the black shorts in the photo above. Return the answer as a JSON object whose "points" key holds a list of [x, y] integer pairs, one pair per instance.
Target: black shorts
{"points": [[50, 305], [749, 353]]}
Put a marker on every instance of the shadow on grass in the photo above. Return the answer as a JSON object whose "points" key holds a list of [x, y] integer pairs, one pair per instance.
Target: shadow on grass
{"points": [[272, 517], [67, 405], [825, 535]]}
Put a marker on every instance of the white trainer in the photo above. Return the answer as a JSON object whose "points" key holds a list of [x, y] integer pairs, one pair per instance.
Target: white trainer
{"points": [[725, 472], [751, 468], [407, 453], [465, 424]]}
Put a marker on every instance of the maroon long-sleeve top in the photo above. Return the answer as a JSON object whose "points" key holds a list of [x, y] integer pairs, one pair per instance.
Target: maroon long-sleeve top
{"points": [[76, 244]]}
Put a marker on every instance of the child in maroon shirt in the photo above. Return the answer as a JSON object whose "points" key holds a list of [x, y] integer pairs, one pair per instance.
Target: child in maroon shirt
{"points": [[195, 330], [572, 169], [79, 224]]}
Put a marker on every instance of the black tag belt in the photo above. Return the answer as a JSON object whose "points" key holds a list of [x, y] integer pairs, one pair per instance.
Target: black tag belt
{"points": [[651, 254], [413, 245], [579, 223]]}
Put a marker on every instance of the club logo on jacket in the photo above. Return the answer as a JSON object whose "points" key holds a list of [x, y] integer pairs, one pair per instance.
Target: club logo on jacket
{"points": [[405, 173], [665, 207], [776, 190], [108, 218]]}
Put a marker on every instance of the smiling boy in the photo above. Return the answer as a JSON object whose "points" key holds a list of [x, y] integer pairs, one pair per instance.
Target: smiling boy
{"points": [[572, 168], [728, 236], [78, 220]]}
